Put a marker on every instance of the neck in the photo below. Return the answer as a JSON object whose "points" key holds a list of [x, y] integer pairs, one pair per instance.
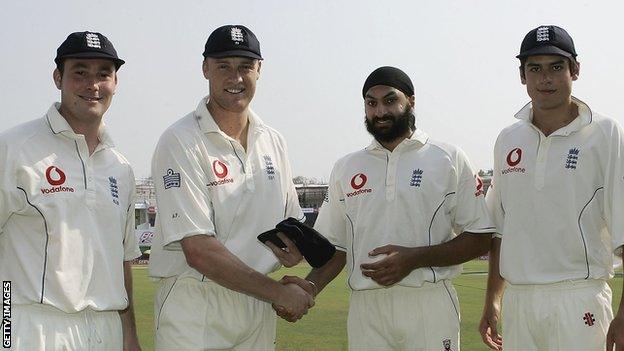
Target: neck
{"points": [[89, 128], [550, 120], [391, 145], [234, 124]]}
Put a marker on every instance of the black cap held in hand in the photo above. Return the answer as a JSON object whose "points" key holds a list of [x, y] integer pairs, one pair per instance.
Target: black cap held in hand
{"points": [[232, 41], [390, 76], [547, 40], [87, 45]]}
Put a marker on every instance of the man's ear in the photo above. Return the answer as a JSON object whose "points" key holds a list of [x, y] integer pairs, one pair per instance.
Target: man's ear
{"points": [[56, 76]]}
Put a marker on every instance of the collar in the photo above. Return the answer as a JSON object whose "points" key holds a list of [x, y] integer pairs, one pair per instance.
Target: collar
{"points": [[584, 117], [58, 125], [207, 123], [419, 138]]}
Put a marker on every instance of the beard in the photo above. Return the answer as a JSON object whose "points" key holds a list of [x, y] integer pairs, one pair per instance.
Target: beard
{"points": [[400, 127]]}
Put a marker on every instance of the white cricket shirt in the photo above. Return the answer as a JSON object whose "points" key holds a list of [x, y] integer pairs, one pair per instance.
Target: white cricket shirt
{"points": [[66, 217], [207, 184], [558, 201], [421, 194]]}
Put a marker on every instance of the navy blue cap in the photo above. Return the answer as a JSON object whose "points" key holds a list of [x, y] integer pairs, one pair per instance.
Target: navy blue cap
{"points": [[232, 41], [87, 45]]}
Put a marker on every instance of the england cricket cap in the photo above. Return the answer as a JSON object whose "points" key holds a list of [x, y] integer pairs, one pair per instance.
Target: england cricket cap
{"points": [[232, 40], [87, 45], [547, 40]]}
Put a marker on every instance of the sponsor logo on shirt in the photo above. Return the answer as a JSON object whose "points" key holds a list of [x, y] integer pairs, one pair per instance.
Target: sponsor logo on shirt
{"points": [[114, 189], [220, 171], [572, 159], [357, 183], [479, 186], [416, 179], [171, 179], [513, 159], [268, 165], [56, 177], [589, 319]]}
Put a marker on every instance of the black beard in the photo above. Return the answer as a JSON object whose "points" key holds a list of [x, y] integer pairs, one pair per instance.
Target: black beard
{"points": [[401, 126]]}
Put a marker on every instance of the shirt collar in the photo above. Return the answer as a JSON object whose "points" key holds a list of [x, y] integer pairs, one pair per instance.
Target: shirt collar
{"points": [[419, 138], [584, 117], [58, 125], [207, 123]]}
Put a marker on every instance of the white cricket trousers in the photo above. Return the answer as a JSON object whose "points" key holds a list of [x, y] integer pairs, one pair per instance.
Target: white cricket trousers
{"points": [[191, 315], [46, 328], [565, 316], [405, 318]]}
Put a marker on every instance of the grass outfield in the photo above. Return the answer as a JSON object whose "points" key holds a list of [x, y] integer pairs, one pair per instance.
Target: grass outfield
{"points": [[324, 327]]}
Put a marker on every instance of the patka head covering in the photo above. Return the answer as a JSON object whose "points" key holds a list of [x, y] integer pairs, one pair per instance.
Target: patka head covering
{"points": [[390, 76]]}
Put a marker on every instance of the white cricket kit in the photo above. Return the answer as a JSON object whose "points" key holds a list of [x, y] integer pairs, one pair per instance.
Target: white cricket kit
{"points": [[66, 217], [66, 227], [557, 200], [207, 184], [557, 204], [423, 193]]}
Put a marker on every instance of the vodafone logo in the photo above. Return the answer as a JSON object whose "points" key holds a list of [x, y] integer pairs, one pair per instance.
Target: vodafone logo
{"points": [[479, 186], [358, 181], [220, 169], [55, 176], [514, 157]]}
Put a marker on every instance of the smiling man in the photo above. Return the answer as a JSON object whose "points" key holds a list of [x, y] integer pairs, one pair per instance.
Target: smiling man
{"points": [[557, 200], [67, 213], [404, 213], [222, 177]]}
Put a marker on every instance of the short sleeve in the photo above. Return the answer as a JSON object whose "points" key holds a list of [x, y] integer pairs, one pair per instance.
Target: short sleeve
{"points": [[131, 248], [331, 221], [614, 187], [493, 197], [471, 213], [184, 207]]}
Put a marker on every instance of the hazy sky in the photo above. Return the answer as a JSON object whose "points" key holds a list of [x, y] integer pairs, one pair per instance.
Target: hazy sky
{"points": [[459, 54]]}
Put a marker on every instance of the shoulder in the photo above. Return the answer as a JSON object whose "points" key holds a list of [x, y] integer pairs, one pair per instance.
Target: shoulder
{"points": [[24, 134], [185, 130]]}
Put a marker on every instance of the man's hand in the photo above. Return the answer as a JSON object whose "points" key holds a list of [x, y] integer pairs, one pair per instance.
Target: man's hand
{"points": [[293, 302], [289, 256], [393, 268], [488, 325], [615, 336]]}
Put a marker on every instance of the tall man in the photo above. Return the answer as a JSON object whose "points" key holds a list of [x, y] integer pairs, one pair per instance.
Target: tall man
{"points": [[222, 176], [556, 199], [404, 213], [67, 213]]}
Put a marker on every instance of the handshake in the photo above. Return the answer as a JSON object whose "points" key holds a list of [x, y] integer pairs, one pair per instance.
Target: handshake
{"points": [[290, 241], [297, 297]]}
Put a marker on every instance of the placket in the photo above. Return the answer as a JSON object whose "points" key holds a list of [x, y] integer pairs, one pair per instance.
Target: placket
{"points": [[541, 160], [248, 171], [87, 164], [391, 171]]}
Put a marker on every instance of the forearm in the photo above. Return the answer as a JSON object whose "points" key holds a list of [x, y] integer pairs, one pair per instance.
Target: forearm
{"points": [[209, 257], [325, 274], [462, 248], [128, 323], [495, 283]]}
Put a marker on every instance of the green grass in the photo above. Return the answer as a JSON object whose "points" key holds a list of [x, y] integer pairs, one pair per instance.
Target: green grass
{"points": [[324, 327]]}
